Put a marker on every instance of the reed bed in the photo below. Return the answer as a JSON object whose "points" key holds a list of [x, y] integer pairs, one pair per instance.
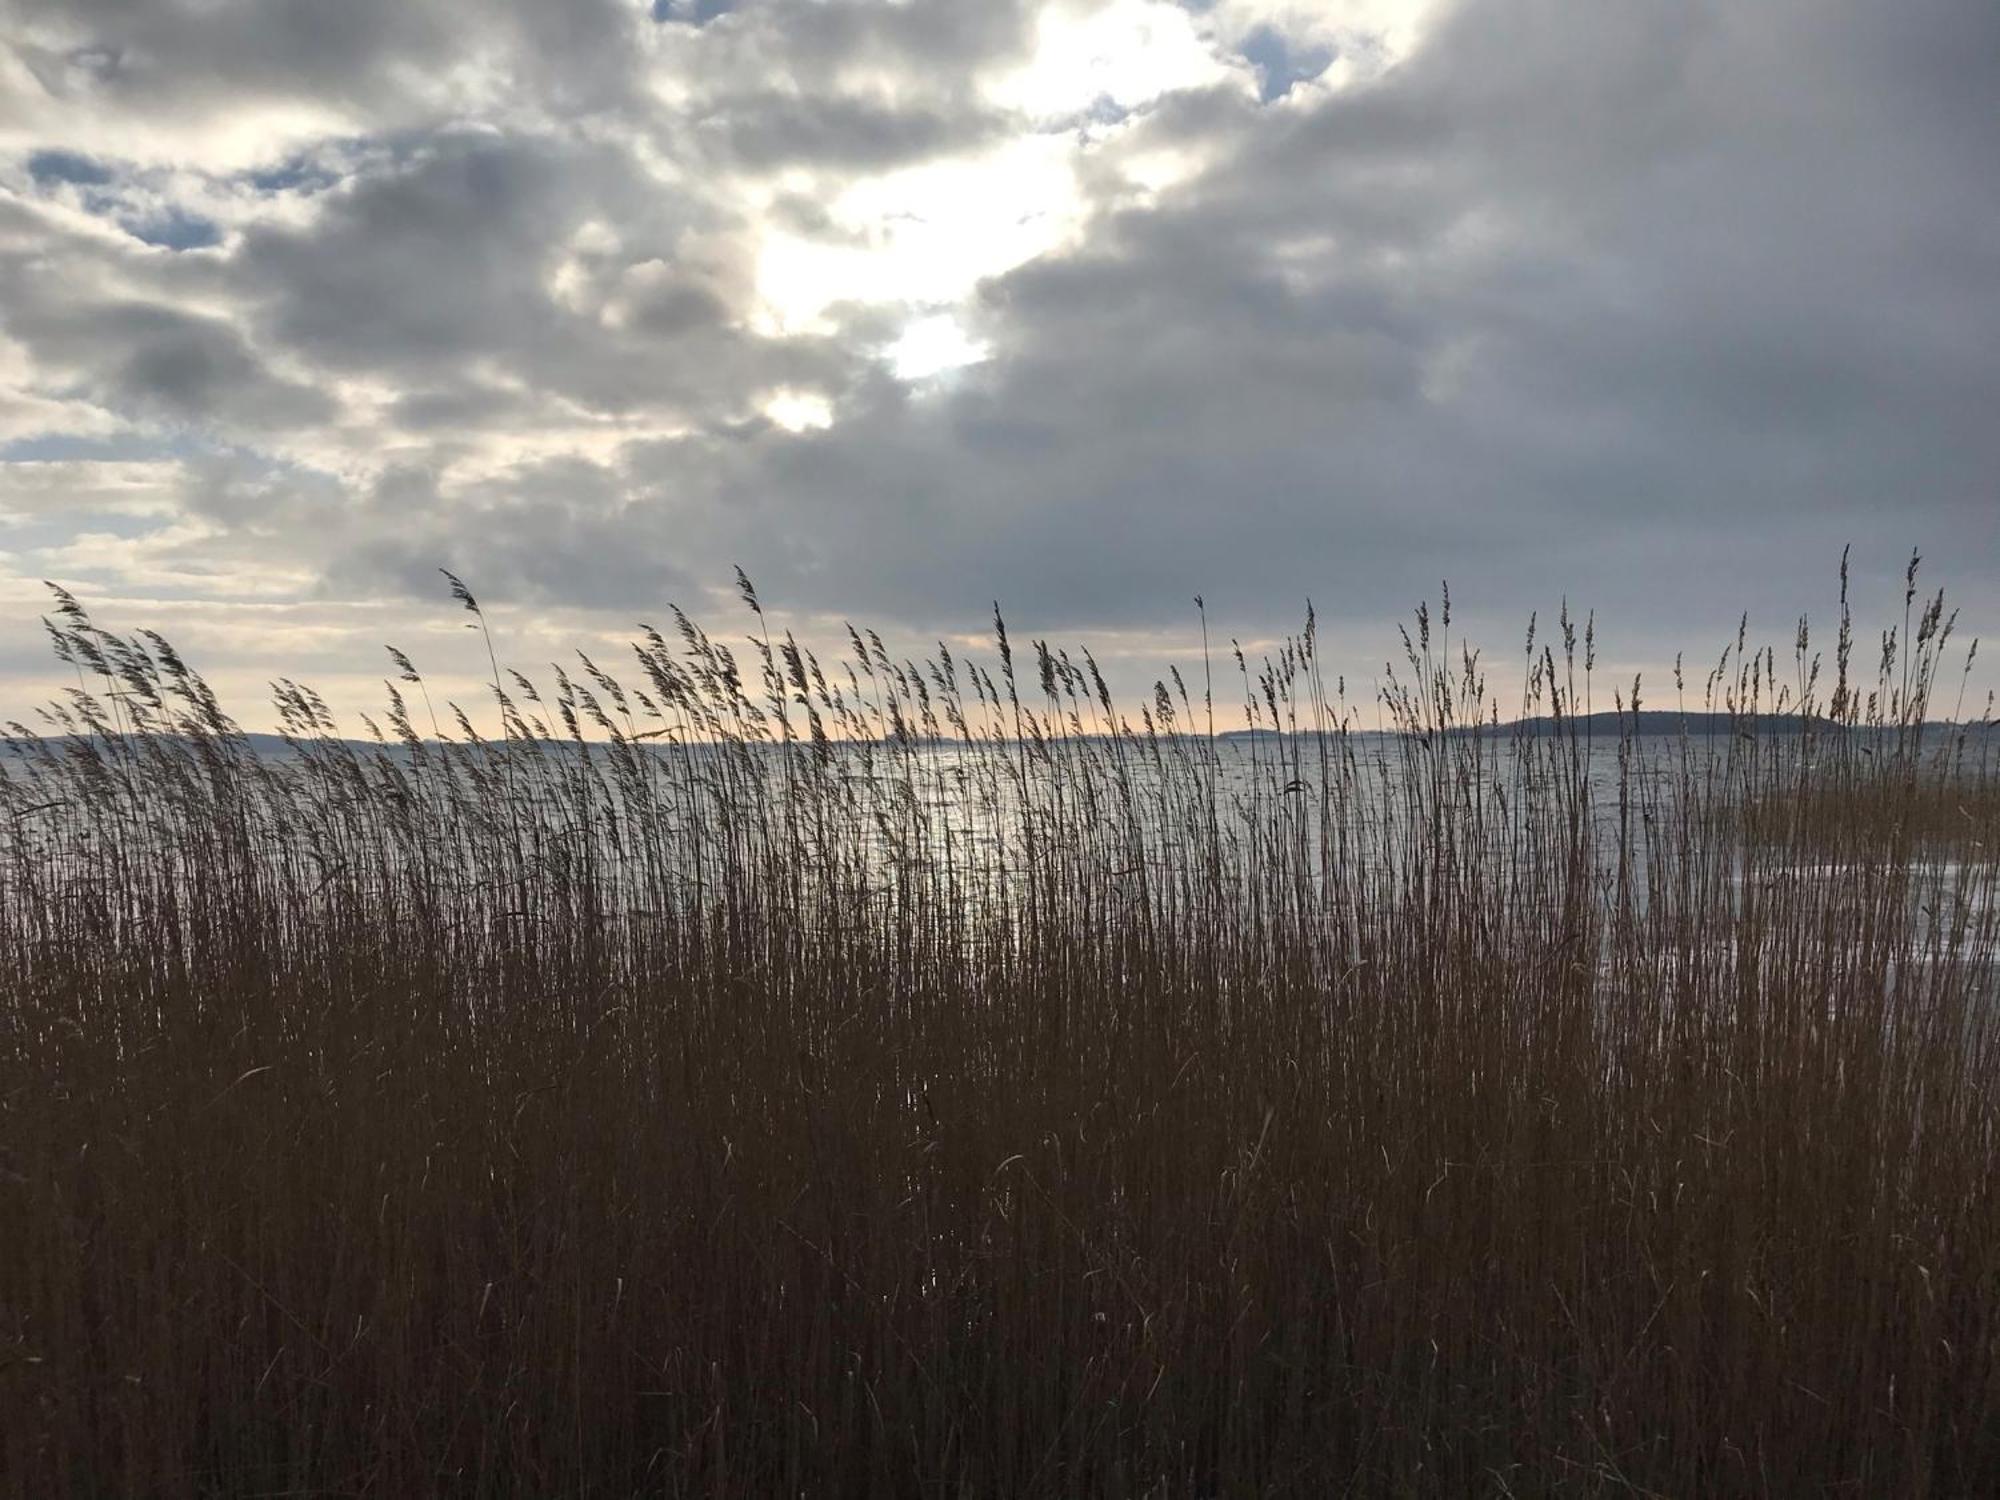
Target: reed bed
{"points": [[765, 1075]]}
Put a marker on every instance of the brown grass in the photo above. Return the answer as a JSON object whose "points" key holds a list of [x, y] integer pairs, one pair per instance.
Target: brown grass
{"points": [[1922, 808], [703, 1105]]}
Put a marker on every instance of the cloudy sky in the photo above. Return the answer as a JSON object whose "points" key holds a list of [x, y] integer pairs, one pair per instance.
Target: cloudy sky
{"points": [[1086, 305]]}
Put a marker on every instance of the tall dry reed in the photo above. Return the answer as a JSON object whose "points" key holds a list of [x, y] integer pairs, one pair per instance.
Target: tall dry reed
{"points": [[767, 1075]]}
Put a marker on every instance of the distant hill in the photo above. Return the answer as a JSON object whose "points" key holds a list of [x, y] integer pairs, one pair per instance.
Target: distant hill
{"points": [[1672, 721], [1660, 721]]}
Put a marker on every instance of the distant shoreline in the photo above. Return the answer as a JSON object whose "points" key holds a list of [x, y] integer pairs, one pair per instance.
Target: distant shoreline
{"points": [[1607, 724]]}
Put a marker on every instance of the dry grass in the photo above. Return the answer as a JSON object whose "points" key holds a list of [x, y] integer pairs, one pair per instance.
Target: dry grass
{"points": [[704, 1105], [1927, 807]]}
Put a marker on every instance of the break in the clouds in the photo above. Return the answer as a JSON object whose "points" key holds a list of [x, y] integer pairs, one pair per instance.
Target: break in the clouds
{"points": [[904, 306]]}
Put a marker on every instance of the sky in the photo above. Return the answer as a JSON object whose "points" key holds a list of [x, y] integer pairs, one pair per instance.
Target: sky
{"points": [[907, 306]]}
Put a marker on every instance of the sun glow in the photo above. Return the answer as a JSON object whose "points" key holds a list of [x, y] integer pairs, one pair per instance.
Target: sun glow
{"points": [[934, 345], [919, 240], [923, 236], [799, 411], [1108, 59]]}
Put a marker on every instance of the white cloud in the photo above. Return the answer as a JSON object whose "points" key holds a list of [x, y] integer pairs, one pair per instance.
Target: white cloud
{"points": [[925, 234], [77, 488], [799, 411], [1122, 56]]}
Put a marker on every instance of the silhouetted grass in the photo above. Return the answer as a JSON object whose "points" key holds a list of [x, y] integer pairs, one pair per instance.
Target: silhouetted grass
{"points": [[896, 1078]]}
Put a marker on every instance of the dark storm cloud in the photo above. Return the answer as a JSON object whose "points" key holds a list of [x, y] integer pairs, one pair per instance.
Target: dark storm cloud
{"points": [[368, 55], [424, 265], [846, 84], [158, 361], [763, 131], [1656, 304], [933, 43], [426, 271], [769, 87], [526, 538]]}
